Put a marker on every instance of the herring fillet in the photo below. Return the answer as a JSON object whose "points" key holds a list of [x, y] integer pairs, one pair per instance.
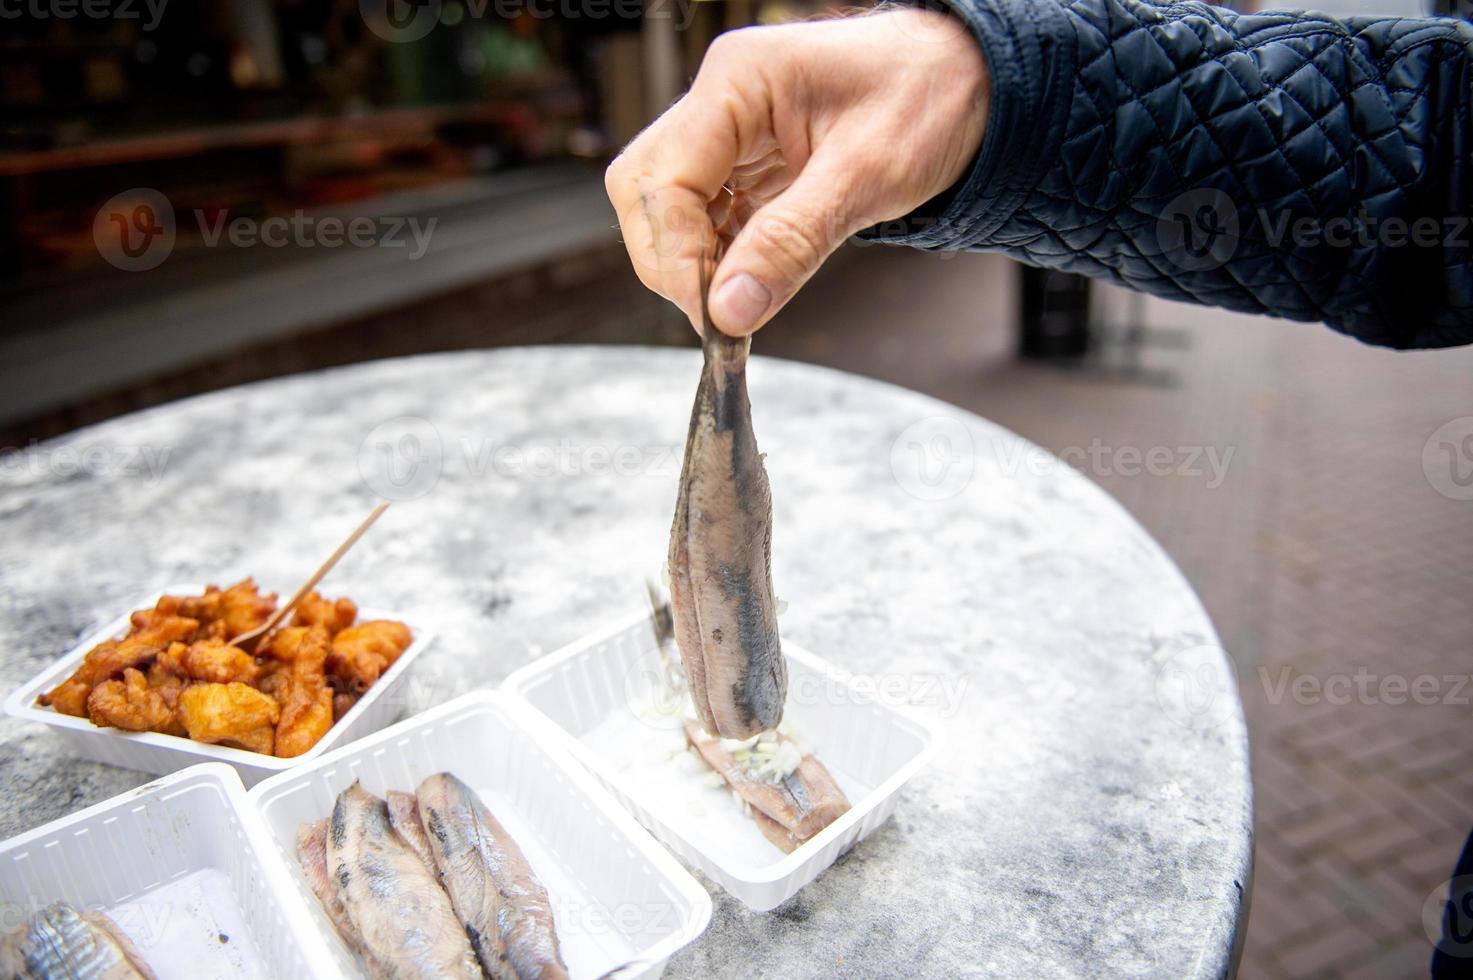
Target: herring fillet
{"points": [[796, 807], [59, 941], [312, 855], [503, 906], [721, 553], [404, 818], [403, 921]]}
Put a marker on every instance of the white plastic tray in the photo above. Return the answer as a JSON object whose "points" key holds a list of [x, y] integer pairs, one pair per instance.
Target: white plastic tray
{"points": [[380, 705], [184, 868], [619, 901], [594, 695]]}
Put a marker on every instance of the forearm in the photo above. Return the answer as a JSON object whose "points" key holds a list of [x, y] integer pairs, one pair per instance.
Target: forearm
{"points": [[1285, 164]]}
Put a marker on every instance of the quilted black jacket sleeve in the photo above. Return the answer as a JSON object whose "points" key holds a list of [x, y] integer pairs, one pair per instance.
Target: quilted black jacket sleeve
{"points": [[1280, 163]]}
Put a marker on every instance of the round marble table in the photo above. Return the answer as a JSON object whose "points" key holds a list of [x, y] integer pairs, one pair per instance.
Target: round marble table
{"points": [[1092, 810]]}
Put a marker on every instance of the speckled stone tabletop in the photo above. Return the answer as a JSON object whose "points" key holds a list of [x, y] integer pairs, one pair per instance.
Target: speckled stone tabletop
{"points": [[1092, 811]]}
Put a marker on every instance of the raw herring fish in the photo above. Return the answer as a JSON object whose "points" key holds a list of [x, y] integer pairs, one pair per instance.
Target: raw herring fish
{"points": [[402, 921], [61, 942], [721, 551], [404, 818], [312, 855], [789, 808], [500, 901]]}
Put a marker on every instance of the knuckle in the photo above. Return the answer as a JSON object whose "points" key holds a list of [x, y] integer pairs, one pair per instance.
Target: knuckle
{"points": [[793, 242]]}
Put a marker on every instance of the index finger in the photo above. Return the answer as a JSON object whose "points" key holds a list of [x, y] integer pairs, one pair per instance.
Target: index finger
{"points": [[661, 187]]}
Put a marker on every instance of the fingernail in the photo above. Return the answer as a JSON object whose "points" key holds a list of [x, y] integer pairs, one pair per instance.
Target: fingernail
{"points": [[740, 303]]}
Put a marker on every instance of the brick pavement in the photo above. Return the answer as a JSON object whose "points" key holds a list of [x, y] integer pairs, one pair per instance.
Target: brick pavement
{"points": [[1324, 551]]}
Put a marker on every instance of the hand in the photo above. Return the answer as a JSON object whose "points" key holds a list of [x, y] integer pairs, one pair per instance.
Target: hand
{"points": [[790, 140]]}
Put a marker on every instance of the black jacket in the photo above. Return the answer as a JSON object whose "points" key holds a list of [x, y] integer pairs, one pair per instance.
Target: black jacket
{"points": [[1280, 163]]}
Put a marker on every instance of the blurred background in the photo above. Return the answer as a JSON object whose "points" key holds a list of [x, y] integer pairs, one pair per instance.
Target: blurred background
{"points": [[195, 195]]}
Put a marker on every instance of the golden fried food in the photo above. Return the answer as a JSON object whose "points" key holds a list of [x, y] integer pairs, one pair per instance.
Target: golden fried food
{"points": [[132, 704], [342, 703], [152, 632], [360, 654], [238, 609], [176, 671], [164, 680], [218, 662], [230, 714], [301, 688], [335, 616]]}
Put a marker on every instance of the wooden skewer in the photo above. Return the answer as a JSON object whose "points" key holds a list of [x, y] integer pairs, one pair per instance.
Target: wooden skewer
{"points": [[246, 640]]}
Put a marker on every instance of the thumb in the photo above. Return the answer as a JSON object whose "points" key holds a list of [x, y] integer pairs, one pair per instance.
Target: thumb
{"points": [[779, 248]]}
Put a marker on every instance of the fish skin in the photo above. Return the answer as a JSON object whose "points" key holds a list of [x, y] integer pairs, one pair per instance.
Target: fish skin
{"points": [[403, 920], [404, 818], [499, 899], [60, 942], [312, 855], [804, 803], [720, 557]]}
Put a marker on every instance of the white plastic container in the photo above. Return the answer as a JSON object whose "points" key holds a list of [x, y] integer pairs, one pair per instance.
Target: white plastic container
{"points": [[183, 867], [381, 704], [619, 901], [597, 696]]}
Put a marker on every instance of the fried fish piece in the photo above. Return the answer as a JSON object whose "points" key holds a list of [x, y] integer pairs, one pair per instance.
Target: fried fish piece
{"points": [[301, 688], [229, 613], [212, 660], [230, 714], [798, 793], [334, 615], [360, 654], [342, 703], [133, 705], [152, 631]]}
